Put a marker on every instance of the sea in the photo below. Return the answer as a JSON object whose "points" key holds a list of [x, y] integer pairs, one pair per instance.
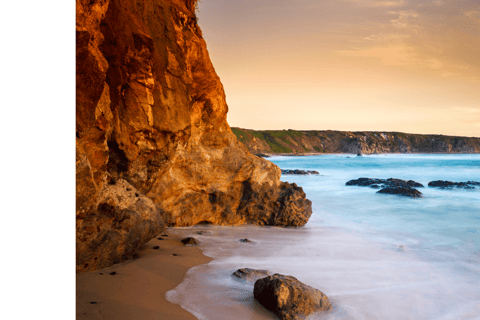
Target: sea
{"points": [[376, 256]]}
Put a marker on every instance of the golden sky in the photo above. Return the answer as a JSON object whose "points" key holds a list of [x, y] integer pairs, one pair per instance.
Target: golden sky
{"points": [[355, 65]]}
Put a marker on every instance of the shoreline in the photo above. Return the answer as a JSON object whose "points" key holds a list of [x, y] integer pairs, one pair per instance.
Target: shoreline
{"points": [[306, 154], [138, 289]]}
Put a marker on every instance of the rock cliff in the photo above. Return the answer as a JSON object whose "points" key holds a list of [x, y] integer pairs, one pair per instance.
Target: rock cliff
{"points": [[293, 141], [153, 146]]}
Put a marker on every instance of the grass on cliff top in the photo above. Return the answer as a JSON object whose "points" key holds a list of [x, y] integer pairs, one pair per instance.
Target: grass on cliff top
{"points": [[270, 137]]}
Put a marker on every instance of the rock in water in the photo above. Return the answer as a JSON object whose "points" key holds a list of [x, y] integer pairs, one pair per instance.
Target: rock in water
{"points": [[299, 172], [289, 298], [247, 274], [151, 120], [449, 184], [190, 240], [399, 191]]}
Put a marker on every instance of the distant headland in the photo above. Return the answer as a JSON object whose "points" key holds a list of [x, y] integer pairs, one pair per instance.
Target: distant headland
{"points": [[358, 142]]}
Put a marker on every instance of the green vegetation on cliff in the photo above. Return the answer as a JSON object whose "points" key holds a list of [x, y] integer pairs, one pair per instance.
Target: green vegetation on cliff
{"points": [[292, 141]]}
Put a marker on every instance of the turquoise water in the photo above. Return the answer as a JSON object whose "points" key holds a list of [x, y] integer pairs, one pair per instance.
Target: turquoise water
{"points": [[375, 256]]}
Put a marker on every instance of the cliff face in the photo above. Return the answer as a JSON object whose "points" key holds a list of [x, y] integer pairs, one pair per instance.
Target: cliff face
{"points": [[292, 141], [153, 147]]}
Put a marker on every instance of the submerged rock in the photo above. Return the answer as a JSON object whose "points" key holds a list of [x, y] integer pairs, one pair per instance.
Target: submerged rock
{"points": [[289, 298], [391, 182], [449, 184], [298, 172], [247, 274], [390, 186], [399, 191]]}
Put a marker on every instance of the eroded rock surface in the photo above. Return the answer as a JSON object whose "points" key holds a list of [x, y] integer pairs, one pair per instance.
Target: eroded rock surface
{"points": [[151, 114], [289, 298]]}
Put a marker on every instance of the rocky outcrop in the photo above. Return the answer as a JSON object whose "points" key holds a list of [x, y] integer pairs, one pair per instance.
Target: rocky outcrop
{"points": [[190, 241], [449, 184], [298, 172], [400, 191], [390, 186], [314, 142], [289, 298], [151, 118], [249, 275]]}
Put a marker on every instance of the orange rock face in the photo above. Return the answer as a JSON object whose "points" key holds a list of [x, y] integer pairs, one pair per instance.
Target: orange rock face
{"points": [[153, 143]]}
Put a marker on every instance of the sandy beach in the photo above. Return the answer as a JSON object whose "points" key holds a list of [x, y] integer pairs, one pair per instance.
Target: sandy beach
{"points": [[137, 289]]}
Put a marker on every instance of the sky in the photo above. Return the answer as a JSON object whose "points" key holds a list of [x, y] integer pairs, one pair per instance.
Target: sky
{"points": [[352, 65]]}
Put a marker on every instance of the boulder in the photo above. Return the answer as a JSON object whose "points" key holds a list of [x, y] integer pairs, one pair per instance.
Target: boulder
{"points": [[247, 274], [299, 172], [400, 191], [391, 182], [390, 186], [289, 298], [449, 184], [190, 240], [122, 220], [246, 240]]}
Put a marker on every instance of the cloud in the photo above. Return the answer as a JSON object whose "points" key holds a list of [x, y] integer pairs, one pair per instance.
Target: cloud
{"points": [[393, 55], [473, 14], [380, 3], [468, 110], [404, 18], [435, 64]]}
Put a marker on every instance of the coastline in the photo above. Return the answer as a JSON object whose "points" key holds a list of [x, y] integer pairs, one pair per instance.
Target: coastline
{"points": [[137, 290]]}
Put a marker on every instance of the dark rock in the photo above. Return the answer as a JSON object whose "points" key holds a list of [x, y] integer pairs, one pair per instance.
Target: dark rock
{"points": [[359, 155], [160, 238], [400, 191], [390, 186], [246, 240], [298, 172], [247, 274], [156, 247], [113, 273], [164, 235], [175, 254], [449, 184], [93, 302], [101, 274], [201, 232], [366, 182], [190, 240], [289, 298], [262, 155]]}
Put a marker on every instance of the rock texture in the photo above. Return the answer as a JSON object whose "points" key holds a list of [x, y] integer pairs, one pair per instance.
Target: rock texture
{"points": [[250, 275], [298, 172], [152, 140], [449, 184], [301, 142], [390, 186], [289, 298]]}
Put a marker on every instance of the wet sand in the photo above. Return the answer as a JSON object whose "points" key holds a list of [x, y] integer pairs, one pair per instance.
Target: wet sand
{"points": [[137, 290]]}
